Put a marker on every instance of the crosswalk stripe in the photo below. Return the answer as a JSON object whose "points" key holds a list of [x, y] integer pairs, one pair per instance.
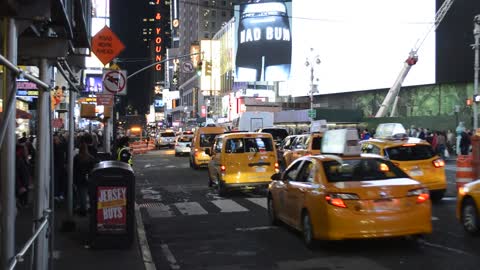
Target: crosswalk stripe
{"points": [[229, 206], [190, 208], [259, 201], [160, 211]]}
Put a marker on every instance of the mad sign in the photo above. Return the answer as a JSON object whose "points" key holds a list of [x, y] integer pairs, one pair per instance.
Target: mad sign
{"points": [[106, 45], [115, 81]]}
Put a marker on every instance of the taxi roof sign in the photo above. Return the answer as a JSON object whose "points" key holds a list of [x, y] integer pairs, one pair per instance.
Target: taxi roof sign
{"points": [[341, 142], [390, 131]]}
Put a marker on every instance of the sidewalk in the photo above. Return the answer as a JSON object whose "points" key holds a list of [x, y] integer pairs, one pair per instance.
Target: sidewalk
{"points": [[71, 249]]}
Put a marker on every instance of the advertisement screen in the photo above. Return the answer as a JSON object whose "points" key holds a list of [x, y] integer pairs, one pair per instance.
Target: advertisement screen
{"points": [[93, 83], [360, 45]]}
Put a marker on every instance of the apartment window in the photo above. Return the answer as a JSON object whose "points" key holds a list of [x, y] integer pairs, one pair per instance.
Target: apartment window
{"points": [[205, 3], [224, 3], [224, 13], [213, 24], [214, 13], [206, 35]]}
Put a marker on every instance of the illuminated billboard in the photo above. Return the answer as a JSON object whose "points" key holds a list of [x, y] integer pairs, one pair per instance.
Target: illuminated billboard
{"points": [[210, 77], [361, 45], [93, 83]]}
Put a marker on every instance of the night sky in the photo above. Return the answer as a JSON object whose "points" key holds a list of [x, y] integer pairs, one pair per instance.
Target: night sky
{"points": [[126, 21]]}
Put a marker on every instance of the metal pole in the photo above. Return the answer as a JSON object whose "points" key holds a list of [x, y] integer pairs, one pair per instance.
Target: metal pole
{"points": [[7, 243], [70, 151], [42, 168], [311, 94], [476, 33], [106, 136]]}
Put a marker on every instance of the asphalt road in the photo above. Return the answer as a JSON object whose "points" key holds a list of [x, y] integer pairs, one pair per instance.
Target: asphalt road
{"points": [[189, 227]]}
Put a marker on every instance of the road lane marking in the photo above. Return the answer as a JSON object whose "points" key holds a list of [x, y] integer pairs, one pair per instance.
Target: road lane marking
{"points": [[170, 166], [170, 258], [449, 198], [143, 242], [160, 211], [148, 165], [454, 250], [190, 208], [229, 206], [435, 218], [259, 201], [261, 228]]}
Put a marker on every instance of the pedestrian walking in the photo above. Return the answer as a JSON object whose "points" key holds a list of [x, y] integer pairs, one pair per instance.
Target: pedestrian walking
{"points": [[464, 143], [83, 163], [441, 144]]}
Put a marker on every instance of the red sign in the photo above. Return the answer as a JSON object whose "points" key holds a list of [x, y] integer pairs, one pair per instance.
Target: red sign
{"points": [[57, 123], [104, 99], [204, 111], [111, 209], [106, 45]]}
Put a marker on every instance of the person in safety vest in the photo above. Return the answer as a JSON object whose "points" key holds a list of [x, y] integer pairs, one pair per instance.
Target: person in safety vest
{"points": [[123, 151]]}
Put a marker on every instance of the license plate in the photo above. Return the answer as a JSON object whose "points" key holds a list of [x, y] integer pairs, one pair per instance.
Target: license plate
{"points": [[260, 169], [385, 205], [416, 172]]}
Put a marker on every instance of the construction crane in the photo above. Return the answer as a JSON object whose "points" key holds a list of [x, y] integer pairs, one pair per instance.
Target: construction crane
{"points": [[392, 95]]}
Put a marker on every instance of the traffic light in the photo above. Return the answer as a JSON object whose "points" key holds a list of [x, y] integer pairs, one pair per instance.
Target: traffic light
{"points": [[199, 68], [208, 68]]}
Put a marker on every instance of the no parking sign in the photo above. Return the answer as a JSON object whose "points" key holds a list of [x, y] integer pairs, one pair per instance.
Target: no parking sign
{"points": [[115, 81]]}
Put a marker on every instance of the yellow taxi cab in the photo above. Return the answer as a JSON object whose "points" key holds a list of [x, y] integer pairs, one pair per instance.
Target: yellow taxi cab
{"points": [[203, 138], [345, 195], [468, 207], [242, 160], [414, 156], [303, 145]]}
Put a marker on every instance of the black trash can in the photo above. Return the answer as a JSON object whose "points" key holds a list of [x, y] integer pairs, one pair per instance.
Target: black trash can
{"points": [[103, 156], [112, 204]]}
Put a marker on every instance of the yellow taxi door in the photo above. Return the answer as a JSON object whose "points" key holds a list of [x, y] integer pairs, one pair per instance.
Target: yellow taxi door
{"points": [[287, 198], [216, 161], [299, 190]]}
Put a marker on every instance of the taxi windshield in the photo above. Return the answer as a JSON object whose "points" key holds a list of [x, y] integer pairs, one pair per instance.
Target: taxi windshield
{"points": [[246, 145], [414, 152], [185, 139], [361, 170], [207, 140], [167, 134]]}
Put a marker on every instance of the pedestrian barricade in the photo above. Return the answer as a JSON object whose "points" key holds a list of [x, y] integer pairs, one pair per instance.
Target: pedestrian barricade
{"points": [[112, 203], [465, 173]]}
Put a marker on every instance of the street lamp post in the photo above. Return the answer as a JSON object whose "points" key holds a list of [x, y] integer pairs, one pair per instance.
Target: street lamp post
{"points": [[312, 61], [476, 46]]}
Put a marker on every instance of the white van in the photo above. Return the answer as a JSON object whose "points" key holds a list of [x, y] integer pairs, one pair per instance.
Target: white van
{"points": [[252, 121]]}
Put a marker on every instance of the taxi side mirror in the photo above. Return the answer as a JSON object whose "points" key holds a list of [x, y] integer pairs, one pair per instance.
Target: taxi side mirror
{"points": [[277, 176], [208, 151]]}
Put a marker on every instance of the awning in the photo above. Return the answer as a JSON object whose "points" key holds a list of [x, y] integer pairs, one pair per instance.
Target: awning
{"points": [[21, 114]]}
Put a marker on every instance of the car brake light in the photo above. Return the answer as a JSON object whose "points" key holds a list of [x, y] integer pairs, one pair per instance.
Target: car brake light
{"points": [[438, 163], [384, 167], [422, 194], [276, 167], [196, 149], [223, 168], [337, 199], [462, 190]]}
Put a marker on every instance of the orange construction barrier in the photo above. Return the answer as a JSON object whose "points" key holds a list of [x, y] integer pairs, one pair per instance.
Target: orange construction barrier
{"points": [[465, 173]]}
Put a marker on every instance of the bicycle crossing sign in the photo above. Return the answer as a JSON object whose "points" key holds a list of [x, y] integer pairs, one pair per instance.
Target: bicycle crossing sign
{"points": [[115, 81]]}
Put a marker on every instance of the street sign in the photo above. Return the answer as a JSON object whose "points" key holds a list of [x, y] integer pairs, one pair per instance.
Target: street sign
{"points": [[187, 67], [115, 81], [106, 45], [105, 99], [312, 113]]}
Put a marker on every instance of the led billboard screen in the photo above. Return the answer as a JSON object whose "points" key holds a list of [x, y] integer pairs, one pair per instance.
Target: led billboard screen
{"points": [[361, 45]]}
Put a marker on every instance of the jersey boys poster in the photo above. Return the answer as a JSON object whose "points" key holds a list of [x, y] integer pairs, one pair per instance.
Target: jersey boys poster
{"points": [[111, 209]]}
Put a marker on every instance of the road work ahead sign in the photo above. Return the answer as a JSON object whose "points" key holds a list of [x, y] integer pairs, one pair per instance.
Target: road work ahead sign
{"points": [[106, 45]]}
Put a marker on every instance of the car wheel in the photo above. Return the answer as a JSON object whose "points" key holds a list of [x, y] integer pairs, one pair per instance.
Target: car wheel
{"points": [[307, 230], [222, 191], [470, 217], [272, 216], [437, 195]]}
